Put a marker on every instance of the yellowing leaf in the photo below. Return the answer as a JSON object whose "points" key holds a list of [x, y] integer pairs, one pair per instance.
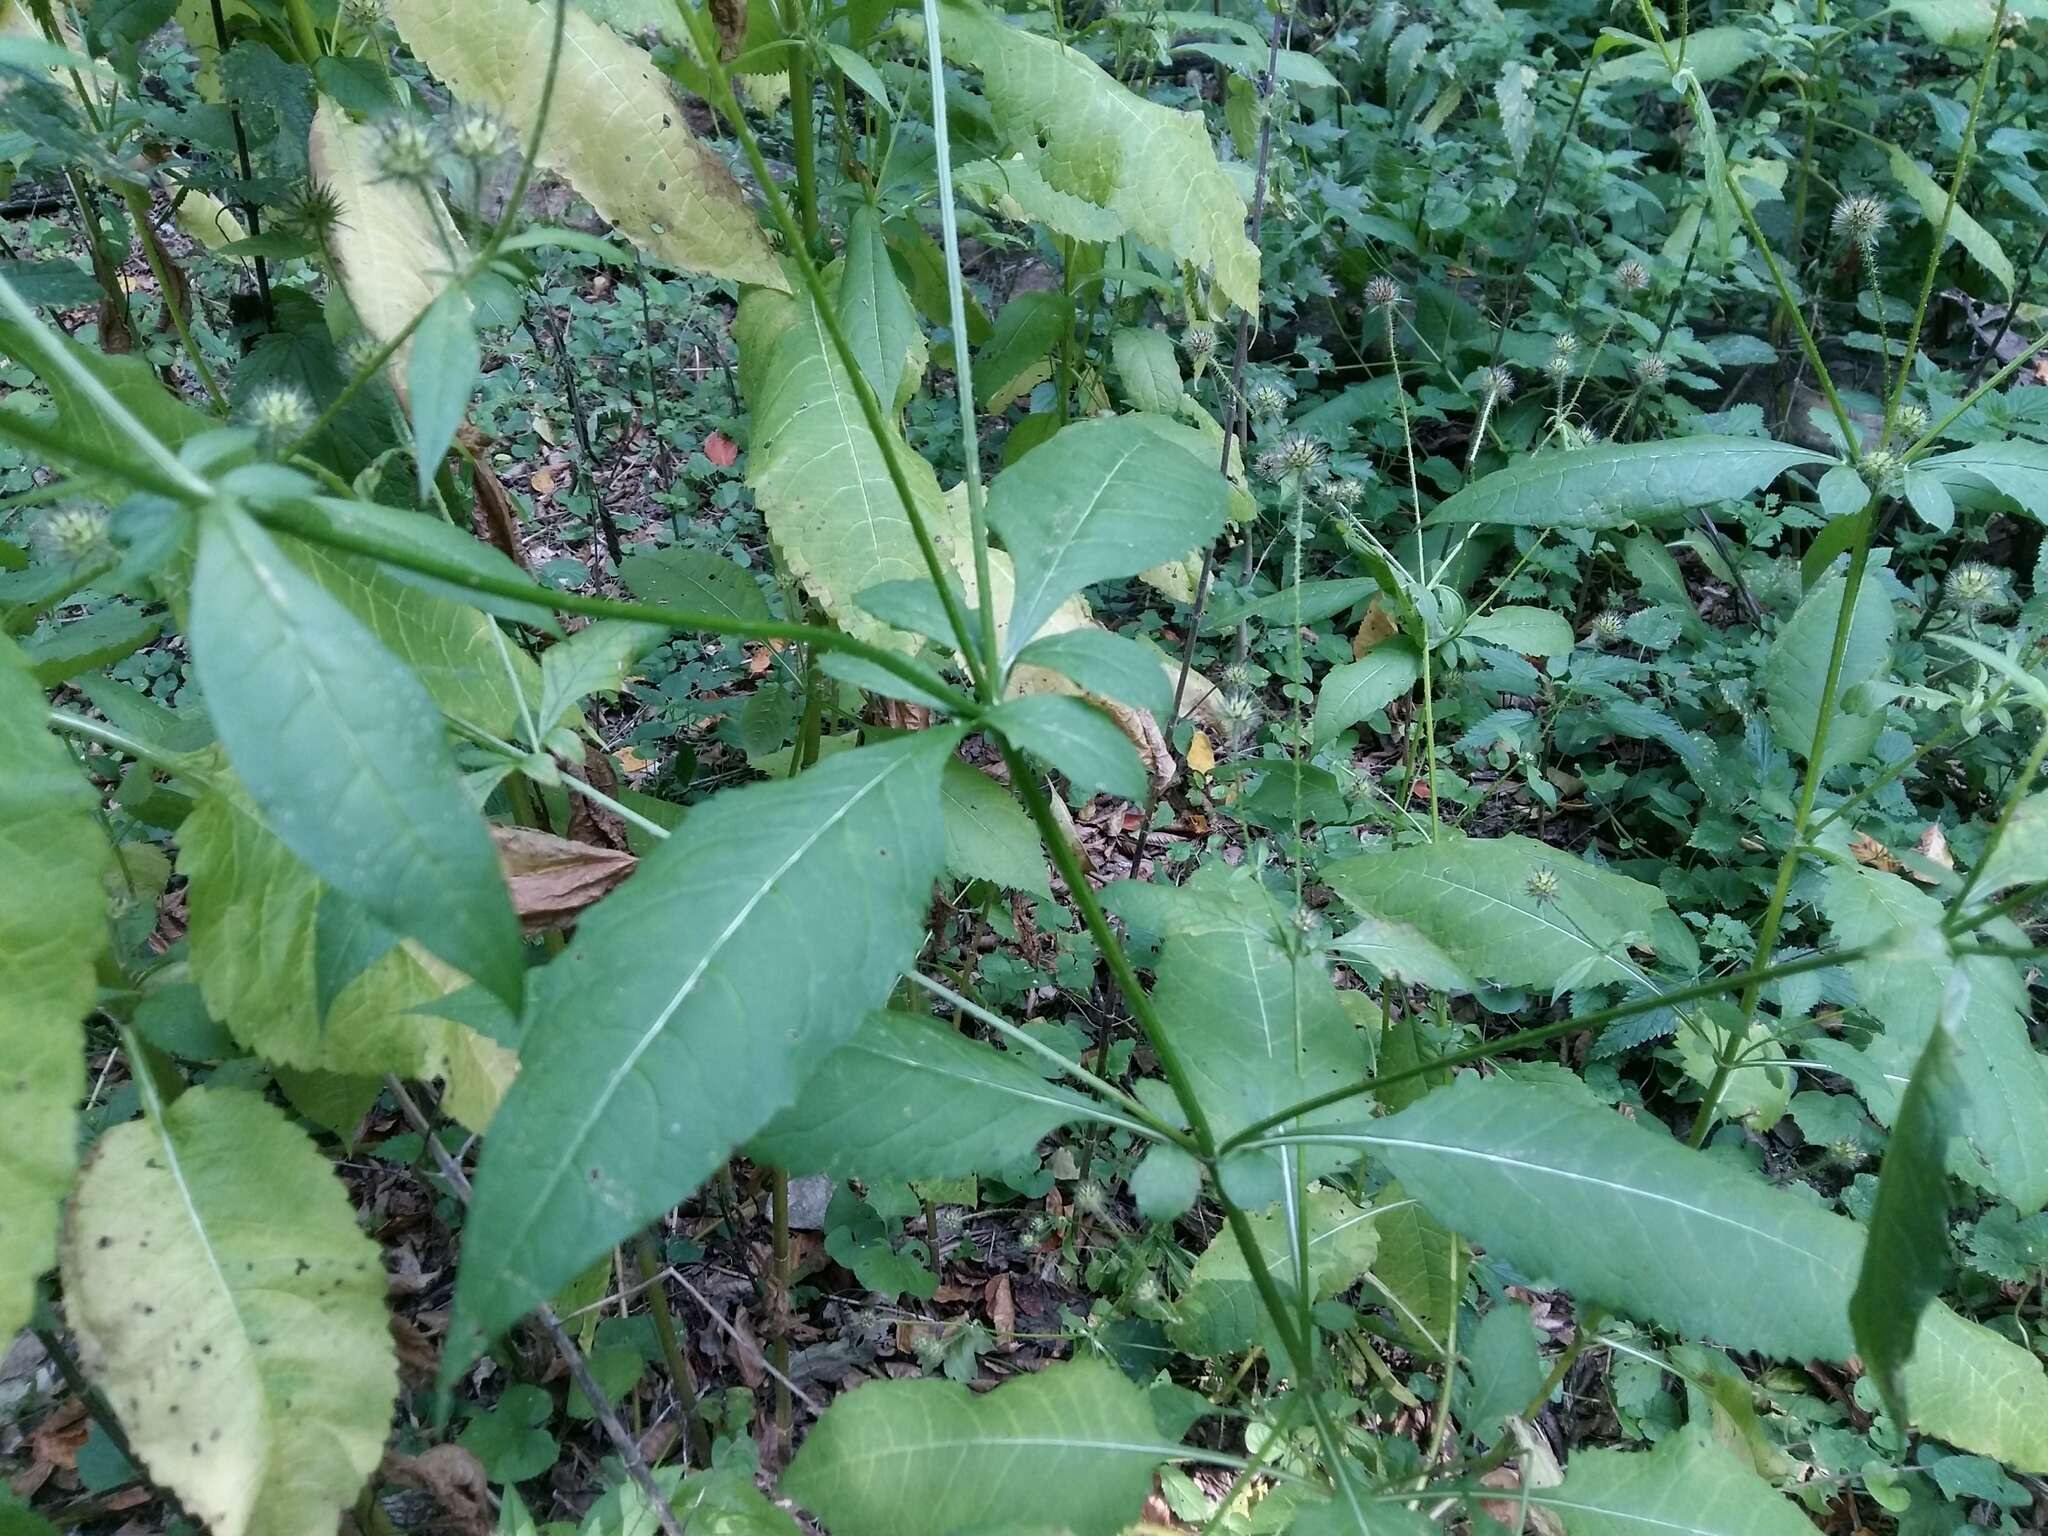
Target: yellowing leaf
{"points": [[1201, 756], [394, 242], [233, 1314], [52, 927], [614, 131], [1088, 137]]}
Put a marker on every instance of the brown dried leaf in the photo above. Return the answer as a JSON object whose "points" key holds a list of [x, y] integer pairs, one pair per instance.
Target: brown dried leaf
{"points": [[553, 879], [1866, 849], [455, 1479]]}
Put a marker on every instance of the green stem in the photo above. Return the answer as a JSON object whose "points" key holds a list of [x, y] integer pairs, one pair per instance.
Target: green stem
{"points": [[304, 34], [684, 1379], [174, 763], [138, 210], [2003, 825], [803, 145]]}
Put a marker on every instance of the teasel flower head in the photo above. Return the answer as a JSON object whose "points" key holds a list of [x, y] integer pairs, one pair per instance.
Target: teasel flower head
{"points": [[1859, 221], [1541, 883], [1975, 587], [74, 534], [478, 138], [1606, 629], [1652, 371], [1632, 276], [1382, 293], [405, 151], [279, 413]]}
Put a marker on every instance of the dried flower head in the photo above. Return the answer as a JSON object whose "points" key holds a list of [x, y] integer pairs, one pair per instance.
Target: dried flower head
{"points": [[1632, 276], [478, 137], [1236, 713], [1541, 884], [1497, 383], [1652, 371], [1199, 342], [1382, 293], [73, 533], [1859, 221], [1975, 587], [1302, 454], [311, 212], [405, 151], [1344, 493], [1606, 628], [1266, 401]]}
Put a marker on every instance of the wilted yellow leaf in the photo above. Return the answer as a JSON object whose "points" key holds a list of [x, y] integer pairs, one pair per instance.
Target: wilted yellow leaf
{"points": [[1201, 756]]}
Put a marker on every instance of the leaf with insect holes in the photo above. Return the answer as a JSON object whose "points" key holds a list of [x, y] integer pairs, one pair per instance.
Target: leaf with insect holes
{"points": [[1093, 139], [231, 1311], [1613, 483], [911, 1098], [53, 925], [394, 244], [615, 131], [344, 752], [1074, 1444], [1686, 1241], [634, 1084]]}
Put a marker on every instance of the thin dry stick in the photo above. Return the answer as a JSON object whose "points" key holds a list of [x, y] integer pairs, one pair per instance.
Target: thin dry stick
{"points": [[760, 1359], [579, 1368]]}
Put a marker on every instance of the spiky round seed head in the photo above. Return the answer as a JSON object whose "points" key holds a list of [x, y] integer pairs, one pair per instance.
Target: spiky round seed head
{"points": [[1912, 421], [1632, 276], [1541, 884], [1880, 468], [1146, 1291], [1565, 344], [312, 212], [1859, 220], [1090, 1197], [1238, 678], [363, 15], [1302, 454], [1606, 628], [1652, 371], [478, 137], [360, 355], [1237, 713], [73, 533], [1976, 587], [1497, 383], [930, 1350], [1382, 293], [280, 411], [1199, 342], [1266, 400], [1344, 493], [1305, 921], [405, 151], [1557, 367]]}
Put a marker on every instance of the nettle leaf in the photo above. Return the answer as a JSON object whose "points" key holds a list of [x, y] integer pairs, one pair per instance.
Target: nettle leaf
{"points": [[910, 1098], [343, 750], [53, 925], [1073, 1444], [1797, 669], [231, 1311], [1506, 1368], [621, 139], [304, 979], [1516, 912], [395, 247], [988, 836], [1932, 198], [1220, 1312], [634, 1082], [1357, 690], [1906, 1260], [1092, 139], [1689, 1242], [1689, 1483], [1524, 630], [821, 479], [1107, 497], [1615, 483]]}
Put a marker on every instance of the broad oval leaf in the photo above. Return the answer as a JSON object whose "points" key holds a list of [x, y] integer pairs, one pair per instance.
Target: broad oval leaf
{"points": [[988, 836], [1092, 139], [344, 752], [1515, 911], [1073, 1445], [874, 310], [1796, 670], [52, 928], [910, 1098], [1359, 689], [615, 132], [1077, 737], [1689, 1242], [1105, 498], [695, 1002], [1614, 483], [2017, 468], [233, 1314], [1690, 1485], [1105, 663]]}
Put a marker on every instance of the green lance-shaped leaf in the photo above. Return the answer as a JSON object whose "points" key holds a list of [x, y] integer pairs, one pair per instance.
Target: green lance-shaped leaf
{"points": [[2021, 857], [821, 478], [1614, 483], [596, 659], [988, 836], [233, 1314], [1356, 690], [1110, 665], [1069, 1448], [1146, 369], [695, 1003], [343, 750], [1077, 737], [1932, 198], [1906, 1260], [1115, 496], [1504, 1369], [1515, 911], [874, 309], [911, 1098], [1688, 1242], [1092, 139], [439, 376], [1690, 1485], [613, 130], [1220, 1312], [1796, 670], [52, 927]]}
